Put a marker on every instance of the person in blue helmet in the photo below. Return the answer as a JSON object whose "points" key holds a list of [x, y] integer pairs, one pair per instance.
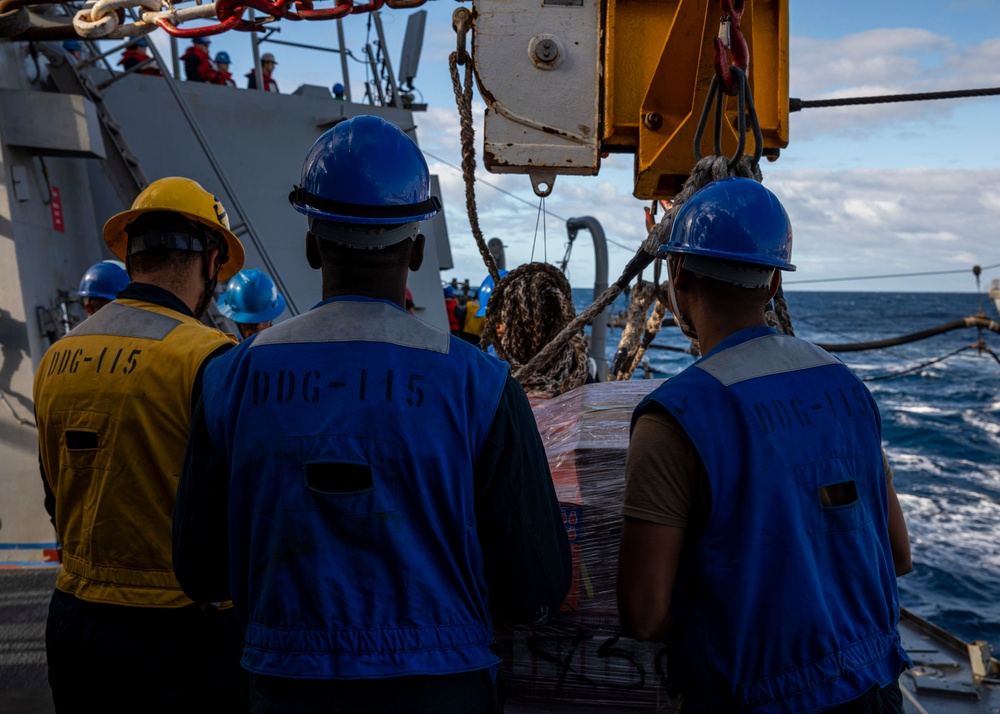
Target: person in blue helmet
{"points": [[762, 536], [224, 77], [485, 291], [402, 493], [338, 92], [198, 65], [74, 48], [101, 284], [251, 301], [136, 54]]}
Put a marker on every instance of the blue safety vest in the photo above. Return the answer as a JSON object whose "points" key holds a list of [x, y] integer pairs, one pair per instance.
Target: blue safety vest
{"points": [[782, 604], [352, 433]]}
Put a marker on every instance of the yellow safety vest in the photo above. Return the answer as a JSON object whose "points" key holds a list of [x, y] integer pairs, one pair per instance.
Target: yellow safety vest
{"points": [[473, 325], [113, 405]]}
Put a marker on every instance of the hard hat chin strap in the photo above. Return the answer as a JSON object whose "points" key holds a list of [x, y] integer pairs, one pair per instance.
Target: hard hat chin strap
{"points": [[675, 308], [211, 281]]}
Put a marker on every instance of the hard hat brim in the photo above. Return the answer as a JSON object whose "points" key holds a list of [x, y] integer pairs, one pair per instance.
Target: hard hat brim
{"points": [[765, 261], [116, 238]]}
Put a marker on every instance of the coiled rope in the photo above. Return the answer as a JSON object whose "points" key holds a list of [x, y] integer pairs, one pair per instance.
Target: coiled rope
{"points": [[529, 307]]}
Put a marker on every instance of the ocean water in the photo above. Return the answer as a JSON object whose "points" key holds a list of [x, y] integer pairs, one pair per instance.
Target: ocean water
{"points": [[941, 431]]}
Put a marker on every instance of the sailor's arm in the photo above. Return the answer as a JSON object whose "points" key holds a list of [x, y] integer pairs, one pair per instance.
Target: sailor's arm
{"points": [[201, 508], [201, 532], [661, 493], [899, 536], [525, 548]]}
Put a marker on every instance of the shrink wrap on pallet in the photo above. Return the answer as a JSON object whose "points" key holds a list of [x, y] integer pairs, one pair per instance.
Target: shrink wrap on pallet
{"points": [[580, 657]]}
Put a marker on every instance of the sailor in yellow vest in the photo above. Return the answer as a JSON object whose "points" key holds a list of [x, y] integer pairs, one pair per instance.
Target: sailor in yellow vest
{"points": [[113, 401]]}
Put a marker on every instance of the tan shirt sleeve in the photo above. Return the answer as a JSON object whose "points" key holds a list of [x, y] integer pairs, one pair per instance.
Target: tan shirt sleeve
{"points": [[665, 480]]}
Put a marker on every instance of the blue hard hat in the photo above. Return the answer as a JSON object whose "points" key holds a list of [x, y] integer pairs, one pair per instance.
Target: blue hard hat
{"points": [[251, 297], [733, 219], [449, 291], [485, 291], [201, 41], [103, 280], [72, 45], [141, 42], [223, 57], [365, 171], [338, 88]]}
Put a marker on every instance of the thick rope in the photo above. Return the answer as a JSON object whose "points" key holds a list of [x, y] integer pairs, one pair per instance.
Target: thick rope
{"points": [[780, 318], [643, 295], [708, 169], [526, 310], [463, 98], [653, 325]]}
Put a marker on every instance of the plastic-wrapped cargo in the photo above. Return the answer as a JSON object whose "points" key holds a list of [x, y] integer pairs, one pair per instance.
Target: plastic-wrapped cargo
{"points": [[580, 658]]}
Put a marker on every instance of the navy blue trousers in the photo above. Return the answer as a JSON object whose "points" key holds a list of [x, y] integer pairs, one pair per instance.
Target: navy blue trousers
{"points": [[112, 658]]}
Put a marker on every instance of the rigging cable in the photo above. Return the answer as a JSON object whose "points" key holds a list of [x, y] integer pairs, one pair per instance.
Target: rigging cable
{"points": [[795, 105], [888, 275], [525, 201]]}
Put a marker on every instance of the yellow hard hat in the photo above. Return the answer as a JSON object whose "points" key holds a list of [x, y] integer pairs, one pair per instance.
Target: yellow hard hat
{"points": [[188, 198]]}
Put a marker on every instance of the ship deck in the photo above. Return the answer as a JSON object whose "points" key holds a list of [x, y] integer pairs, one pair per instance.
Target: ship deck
{"points": [[941, 683]]}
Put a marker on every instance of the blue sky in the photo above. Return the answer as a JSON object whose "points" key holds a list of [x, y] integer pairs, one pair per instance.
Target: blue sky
{"points": [[895, 188]]}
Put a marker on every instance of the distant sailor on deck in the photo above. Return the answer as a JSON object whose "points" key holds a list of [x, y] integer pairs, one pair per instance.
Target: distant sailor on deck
{"points": [[113, 401], [762, 534], [373, 486], [224, 76], [101, 284], [251, 301], [198, 65], [135, 54], [267, 65]]}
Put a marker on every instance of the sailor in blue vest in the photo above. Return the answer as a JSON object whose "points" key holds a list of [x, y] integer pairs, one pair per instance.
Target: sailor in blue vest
{"points": [[366, 487], [762, 535]]}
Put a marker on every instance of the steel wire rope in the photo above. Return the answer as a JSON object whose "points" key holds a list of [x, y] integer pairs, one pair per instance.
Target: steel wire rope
{"points": [[889, 275], [922, 365], [525, 201], [795, 104]]}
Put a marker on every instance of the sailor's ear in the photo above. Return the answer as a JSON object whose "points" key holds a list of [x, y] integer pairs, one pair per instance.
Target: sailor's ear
{"points": [[312, 251], [417, 252], [775, 284]]}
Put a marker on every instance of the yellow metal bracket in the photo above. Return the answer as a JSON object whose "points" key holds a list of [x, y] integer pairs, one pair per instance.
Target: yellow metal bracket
{"points": [[658, 65]]}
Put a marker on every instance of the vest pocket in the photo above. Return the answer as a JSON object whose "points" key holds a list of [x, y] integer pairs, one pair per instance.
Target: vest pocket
{"points": [[85, 439], [342, 475], [332, 477], [832, 494]]}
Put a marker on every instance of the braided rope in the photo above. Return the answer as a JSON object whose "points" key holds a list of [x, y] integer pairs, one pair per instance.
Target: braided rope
{"points": [[643, 295], [527, 308], [708, 169], [463, 98], [653, 325], [780, 318]]}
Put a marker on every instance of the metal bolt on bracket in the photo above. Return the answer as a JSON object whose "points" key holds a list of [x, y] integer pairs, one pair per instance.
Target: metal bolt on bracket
{"points": [[652, 121], [546, 50]]}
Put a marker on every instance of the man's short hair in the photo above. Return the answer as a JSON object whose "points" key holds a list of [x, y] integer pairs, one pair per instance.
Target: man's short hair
{"points": [[168, 230]]}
